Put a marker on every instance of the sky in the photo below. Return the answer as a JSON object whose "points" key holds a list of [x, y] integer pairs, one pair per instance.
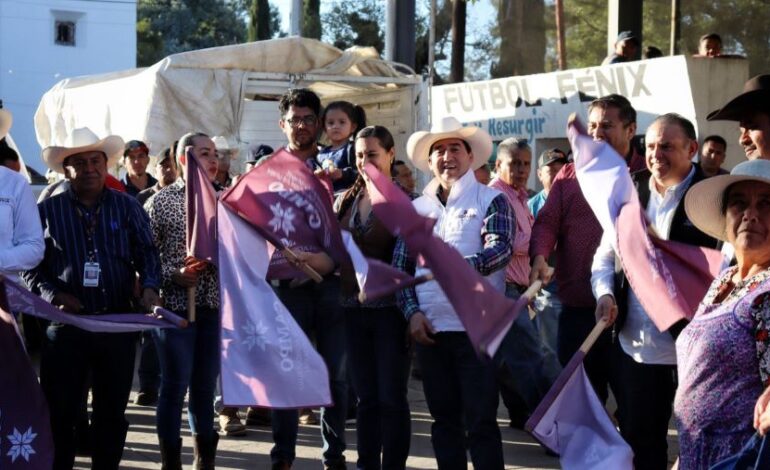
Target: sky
{"points": [[479, 13]]}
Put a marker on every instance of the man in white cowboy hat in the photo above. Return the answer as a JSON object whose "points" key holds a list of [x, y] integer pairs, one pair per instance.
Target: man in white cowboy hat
{"points": [[643, 359], [21, 238], [460, 389], [96, 240], [752, 111]]}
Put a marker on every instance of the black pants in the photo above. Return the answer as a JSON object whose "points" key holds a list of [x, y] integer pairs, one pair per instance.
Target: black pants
{"points": [[645, 394], [575, 324], [68, 355]]}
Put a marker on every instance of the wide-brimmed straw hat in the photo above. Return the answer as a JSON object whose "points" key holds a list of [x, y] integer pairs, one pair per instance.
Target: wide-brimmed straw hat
{"points": [[755, 97], [83, 140], [6, 119], [419, 144], [703, 203]]}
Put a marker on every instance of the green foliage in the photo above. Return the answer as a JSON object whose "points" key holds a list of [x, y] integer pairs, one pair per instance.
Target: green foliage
{"points": [[311, 18], [350, 24], [260, 16], [743, 25], [167, 27]]}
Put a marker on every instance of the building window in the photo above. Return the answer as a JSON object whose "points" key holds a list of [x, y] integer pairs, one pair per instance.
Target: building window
{"points": [[65, 33]]}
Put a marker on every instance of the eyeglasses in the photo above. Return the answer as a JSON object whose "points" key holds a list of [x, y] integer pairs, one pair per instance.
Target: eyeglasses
{"points": [[308, 121]]}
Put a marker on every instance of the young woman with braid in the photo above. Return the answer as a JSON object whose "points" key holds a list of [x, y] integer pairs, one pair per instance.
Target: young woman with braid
{"points": [[376, 331]]}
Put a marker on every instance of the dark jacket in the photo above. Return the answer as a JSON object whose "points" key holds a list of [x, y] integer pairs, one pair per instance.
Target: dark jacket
{"points": [[682, 230]]}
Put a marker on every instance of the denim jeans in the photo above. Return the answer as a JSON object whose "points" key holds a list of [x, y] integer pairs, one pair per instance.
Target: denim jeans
{"points": [[315, 307], [378, 357], [68, 355], [149, 368], [462, 396], [189, 358], [529, 369]]}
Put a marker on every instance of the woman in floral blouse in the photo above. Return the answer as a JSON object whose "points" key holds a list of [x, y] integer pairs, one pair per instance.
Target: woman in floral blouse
{"points": [[723, 356]]}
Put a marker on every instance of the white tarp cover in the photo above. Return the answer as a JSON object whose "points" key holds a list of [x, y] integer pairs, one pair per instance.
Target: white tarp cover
{"points": [[197, 90]]}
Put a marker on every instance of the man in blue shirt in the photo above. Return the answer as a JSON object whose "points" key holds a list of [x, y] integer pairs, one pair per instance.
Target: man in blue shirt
{"points": [[96, 240]]}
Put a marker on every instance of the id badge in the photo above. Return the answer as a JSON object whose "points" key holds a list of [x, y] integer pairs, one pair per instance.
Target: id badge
{"points": [[91, 275]]}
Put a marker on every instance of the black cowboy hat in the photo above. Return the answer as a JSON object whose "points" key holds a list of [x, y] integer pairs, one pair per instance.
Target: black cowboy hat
{"points": [[755, 97]]}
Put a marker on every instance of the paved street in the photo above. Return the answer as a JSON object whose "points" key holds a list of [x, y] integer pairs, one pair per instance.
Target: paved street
{"points": [[253, 451]]}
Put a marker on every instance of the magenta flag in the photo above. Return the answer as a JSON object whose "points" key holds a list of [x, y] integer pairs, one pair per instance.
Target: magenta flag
{"points": [[486, 313], [24, 301], [200, 213], [669, 278], [291, 207], [266, 358], [25, 427], [572, 422], [375, 278]]}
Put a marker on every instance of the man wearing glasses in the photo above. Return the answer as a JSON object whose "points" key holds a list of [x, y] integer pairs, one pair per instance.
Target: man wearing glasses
{"points": [[314, 306]]}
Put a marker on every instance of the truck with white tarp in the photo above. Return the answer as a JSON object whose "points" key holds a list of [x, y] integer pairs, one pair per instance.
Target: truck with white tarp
{"points": [[536, 107], [232, 91]]}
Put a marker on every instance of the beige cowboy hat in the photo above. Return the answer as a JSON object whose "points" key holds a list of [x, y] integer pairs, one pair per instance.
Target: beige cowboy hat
{"points": [[703, 202], [6, 119], [83, 140], [222, 143], [419, 144]]}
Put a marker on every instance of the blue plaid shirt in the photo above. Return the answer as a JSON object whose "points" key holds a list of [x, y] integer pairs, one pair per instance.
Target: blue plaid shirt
{"points": [[115, 233], [497, 234]]}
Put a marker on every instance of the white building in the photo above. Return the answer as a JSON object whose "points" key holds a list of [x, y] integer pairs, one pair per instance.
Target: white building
{"points": [[44, 41]]}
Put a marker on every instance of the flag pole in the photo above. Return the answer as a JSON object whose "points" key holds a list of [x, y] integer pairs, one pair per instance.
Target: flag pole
{"points": [[532, 291], [191, 304], [292, 258], [601, 325]]}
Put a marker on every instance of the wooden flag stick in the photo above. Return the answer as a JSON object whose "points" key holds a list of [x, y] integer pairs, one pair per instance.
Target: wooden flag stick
{"points": [[191, 304], [532, 291], [292, 258], [601, 325]]}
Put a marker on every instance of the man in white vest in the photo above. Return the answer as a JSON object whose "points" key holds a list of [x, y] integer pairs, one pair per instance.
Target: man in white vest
{"points": [[461, 391]]}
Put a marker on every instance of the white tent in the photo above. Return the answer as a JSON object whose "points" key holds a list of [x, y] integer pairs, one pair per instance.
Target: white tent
{"points": [[220, 90]]}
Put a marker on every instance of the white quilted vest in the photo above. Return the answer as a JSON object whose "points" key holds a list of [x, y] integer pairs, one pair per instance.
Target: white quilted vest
{"points": [[459, 223]]}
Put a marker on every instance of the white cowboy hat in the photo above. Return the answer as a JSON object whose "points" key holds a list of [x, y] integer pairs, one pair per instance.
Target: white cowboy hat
{"points": [[83, 140], [223, 143], [703, 202], [419, 144], [6, 119]]}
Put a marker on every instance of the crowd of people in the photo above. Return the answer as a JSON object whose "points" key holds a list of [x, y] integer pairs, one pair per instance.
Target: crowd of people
{"points": [[101, 245]]}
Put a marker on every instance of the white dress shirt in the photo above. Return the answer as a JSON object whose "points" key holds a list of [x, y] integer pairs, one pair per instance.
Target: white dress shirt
{"points": [[640, 338], [21, 235]]}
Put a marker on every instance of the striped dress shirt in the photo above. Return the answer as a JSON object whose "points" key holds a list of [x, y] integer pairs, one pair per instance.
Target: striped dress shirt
{"points": [[114, 233]]}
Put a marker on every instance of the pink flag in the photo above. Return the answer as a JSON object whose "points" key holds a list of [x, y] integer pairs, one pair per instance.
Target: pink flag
{"points": [[668, 278], [290, 208], [572, 422], [200, 214], [26, 441], [22, 300], [266, 358], [486, 313]]}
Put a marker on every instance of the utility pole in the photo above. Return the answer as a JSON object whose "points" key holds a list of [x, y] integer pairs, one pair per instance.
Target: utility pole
{"points": [[295, 18], [623, 15], [561, 51], [676, 16], [399, 32], [457, 72]]}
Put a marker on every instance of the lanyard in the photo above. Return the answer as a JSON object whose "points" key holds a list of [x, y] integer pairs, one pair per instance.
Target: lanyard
{"points": [[90, 220]]}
